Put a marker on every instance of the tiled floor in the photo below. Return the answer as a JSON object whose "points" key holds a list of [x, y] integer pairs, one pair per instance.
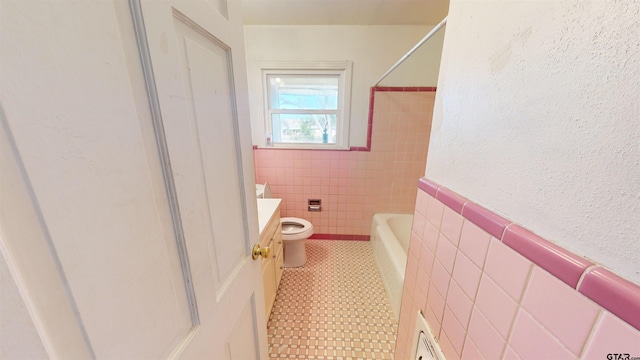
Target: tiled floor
{"points": [[334, 307]]}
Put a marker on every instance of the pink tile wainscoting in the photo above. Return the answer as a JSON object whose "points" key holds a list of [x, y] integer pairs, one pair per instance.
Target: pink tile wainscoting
{"points": [[354, 185], [508, 294]]}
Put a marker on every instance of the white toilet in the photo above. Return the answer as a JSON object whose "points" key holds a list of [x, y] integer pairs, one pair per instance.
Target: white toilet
{"points": [[295, 232]]}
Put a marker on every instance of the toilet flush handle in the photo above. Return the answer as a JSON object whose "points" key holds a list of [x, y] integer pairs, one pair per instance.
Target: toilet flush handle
{"points": [[258, 251]]}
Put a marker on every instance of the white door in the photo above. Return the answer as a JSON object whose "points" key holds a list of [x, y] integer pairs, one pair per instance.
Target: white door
{"points": [[127, 212]]}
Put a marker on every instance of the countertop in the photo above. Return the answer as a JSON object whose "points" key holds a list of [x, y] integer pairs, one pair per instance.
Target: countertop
{"points": [[266, 209]]}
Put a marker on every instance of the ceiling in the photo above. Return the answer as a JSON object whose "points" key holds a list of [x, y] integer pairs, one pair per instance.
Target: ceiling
{"points": [[344, 12]]}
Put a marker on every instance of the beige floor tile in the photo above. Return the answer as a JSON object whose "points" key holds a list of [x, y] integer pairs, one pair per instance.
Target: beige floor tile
{"points": [[334, 307]]}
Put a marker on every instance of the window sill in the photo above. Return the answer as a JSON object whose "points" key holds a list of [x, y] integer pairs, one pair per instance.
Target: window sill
{"points": [[351, 148]]}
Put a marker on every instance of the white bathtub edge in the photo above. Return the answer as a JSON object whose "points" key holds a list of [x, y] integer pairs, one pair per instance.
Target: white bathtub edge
{"points": [[390, 257]]}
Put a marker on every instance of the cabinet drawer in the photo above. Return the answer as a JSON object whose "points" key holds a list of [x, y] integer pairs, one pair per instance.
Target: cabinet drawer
{"points": [[277, 240], [270, 229], [269, 280], [271, 237], [279, 268]]}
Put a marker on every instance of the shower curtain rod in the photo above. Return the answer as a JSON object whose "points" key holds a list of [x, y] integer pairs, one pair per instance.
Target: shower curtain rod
{"points": [[424, 39]]}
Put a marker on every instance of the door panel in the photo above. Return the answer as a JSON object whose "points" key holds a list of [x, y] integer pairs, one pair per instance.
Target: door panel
{"points": [[134, 220], [202, 96], [236, 348], [83, 154], [220, 6], [33, 270], [205, 68]]}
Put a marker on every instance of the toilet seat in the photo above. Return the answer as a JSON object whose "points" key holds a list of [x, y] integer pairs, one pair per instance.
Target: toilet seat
{"points": [[294, 228]]}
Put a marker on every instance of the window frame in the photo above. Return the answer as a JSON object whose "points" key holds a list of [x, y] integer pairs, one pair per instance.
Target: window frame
{"points": [[341, 69]]}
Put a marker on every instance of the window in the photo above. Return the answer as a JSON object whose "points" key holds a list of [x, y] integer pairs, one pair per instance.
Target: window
{"points": [[307, 106]]}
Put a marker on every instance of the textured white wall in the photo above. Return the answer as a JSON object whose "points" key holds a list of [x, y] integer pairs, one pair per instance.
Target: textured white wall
{"points": [[372, 49], [537, 117]]}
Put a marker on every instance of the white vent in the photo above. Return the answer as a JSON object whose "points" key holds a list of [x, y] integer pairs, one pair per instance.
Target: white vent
{"points": [[425, 345]]}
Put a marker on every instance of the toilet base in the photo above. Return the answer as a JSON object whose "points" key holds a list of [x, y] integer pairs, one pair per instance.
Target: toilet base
{"points": [[295, 253]]}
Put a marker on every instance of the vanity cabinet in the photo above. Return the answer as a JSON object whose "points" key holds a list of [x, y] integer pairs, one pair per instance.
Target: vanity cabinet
{"points": [[272, 267]]}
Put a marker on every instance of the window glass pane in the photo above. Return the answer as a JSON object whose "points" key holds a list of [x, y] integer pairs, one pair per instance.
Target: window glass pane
{"points": [[304, 128], [303, 92]]}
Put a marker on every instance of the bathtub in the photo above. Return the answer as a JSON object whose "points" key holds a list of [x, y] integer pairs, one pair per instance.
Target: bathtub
{"points": [[390, 235]]}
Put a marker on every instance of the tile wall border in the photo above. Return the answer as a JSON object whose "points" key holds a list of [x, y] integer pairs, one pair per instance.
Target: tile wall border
{"points": [[339, 237], [372, 96], [614, 293]]}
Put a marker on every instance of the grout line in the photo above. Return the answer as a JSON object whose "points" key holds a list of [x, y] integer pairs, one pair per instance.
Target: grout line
{"points": [[463, 205], [548, 331], [520, 307], [601, 312], [584, 274], [504, 232]]}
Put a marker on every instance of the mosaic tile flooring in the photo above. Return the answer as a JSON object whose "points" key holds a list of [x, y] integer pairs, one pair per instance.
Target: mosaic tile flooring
{"points": [[334, 307]]}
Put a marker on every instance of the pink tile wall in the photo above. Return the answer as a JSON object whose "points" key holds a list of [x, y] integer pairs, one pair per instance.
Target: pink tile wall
{"points": [[354, 185], [493, 290]]}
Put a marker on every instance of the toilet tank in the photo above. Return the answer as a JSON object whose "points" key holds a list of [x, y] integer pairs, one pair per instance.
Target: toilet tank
{"points": [[263, 191]]}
